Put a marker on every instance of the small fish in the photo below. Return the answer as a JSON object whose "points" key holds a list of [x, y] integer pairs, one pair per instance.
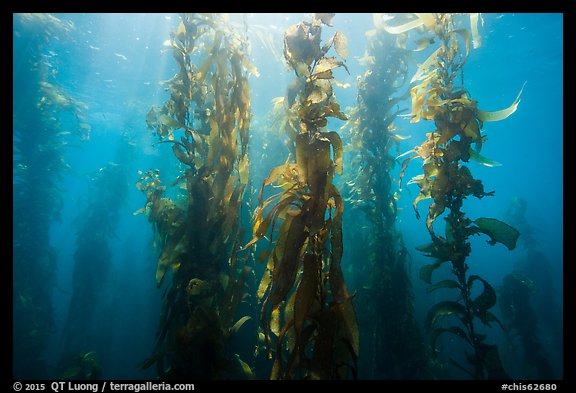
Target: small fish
{"points": [[120, 55], [93, 47]]}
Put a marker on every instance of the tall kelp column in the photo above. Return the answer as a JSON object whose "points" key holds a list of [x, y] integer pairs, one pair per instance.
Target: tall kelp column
{"points": [[439, 95], [46, 119], [392, 345], [206, 121], [84, 333], [307, 312]]}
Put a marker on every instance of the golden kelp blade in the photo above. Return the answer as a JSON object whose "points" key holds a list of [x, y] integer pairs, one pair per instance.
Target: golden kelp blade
{"points": [[503, 113], [476, 40], [465, 34], [401, 28], [341, 45], [423, 69]]}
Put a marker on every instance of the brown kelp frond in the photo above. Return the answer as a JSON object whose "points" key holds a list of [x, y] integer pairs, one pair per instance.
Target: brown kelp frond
{"points": [[313, 322], [447, 181], [206, 120]]}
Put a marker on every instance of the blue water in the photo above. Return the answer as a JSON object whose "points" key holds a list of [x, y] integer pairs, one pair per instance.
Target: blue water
{"points": [[114, 63]]}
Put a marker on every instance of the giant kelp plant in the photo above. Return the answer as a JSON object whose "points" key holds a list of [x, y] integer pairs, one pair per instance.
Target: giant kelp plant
{"points": [[207, 121], [307, 312], [83, 332], [439, 95], [392, 344], [46, 118]]}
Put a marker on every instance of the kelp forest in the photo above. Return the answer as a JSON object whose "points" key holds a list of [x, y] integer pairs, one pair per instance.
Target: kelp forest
{"points": [[286, 197]]}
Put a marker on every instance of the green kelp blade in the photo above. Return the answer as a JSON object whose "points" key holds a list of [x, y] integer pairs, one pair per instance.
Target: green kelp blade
{"points": [[503, 113], [482, 160], [455, 330], [442, 284], [443, 309], [485, 301], [498, 231], [234, 329], [439, 249], [427, 270]]}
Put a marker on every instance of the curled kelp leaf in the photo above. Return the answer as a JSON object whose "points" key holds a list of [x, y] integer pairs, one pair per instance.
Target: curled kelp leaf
{"points": [[483, 160], [455, 330], [403, 27], [503, 113], [483, 302], [498, 231], [442, 310], [427, 270]]}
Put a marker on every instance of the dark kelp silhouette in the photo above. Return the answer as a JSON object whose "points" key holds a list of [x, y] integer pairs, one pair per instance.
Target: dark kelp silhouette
{"points": [[531, 315], [447, 181], [83, 333], [391, 345], [306, 307], [39, 143], [199, 234], [520, 322]]}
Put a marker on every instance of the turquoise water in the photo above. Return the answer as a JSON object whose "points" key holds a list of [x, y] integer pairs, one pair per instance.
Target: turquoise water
{"points": [[114, 65]]}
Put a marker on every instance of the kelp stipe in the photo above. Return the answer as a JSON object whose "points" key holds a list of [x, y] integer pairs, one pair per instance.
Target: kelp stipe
{"points": [[307, 312], [447, 181], [392, 345], [39, 143], [206, 121]]}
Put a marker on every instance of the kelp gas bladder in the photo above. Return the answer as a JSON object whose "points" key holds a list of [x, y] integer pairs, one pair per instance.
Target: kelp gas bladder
{"points": [[306, 307], [209, 109], [447, 181]]}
